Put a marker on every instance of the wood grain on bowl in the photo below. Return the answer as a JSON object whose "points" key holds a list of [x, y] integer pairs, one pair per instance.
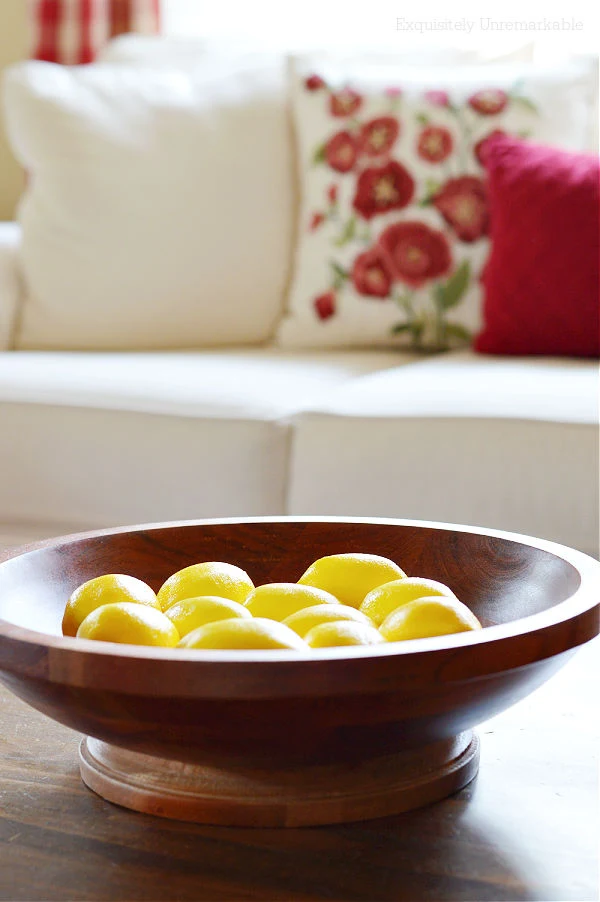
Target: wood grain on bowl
{"points": [[280, 797], [348, 706]]}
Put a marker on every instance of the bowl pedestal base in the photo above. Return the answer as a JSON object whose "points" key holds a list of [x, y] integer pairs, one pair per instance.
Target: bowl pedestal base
{"points": [[269, 797]]}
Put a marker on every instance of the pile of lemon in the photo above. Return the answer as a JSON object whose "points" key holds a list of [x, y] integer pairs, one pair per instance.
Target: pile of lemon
{"points": [[342, 599]]}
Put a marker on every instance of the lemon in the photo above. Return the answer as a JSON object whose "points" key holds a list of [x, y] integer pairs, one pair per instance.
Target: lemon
{"points": [[303, 621], [428, 617], [342, 632], [382, 601], [350, 576], [256, 632], [278, 600], [112, 587], [129, 623], [209, 578], [190, 613]]}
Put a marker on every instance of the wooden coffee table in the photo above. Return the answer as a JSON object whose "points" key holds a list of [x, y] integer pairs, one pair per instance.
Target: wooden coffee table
{"points": [[527, 828]]}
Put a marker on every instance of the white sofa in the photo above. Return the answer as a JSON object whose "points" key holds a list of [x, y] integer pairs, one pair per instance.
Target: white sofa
{"points": [[91, 439]]}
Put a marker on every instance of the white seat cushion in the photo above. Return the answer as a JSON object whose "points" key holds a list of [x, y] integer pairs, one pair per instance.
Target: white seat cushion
{"points": [[508, 444], [102, 439]]}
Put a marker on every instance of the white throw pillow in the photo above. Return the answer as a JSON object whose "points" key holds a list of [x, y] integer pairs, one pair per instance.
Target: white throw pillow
{"points": [[10, 282], [159, 209], [393, 222]]}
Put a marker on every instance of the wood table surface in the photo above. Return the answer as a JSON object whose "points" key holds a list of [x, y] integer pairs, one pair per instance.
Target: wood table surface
{"points": [[526, 828]]}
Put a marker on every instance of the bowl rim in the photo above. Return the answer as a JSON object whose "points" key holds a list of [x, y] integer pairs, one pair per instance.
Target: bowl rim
{"points": [[583, 601]]}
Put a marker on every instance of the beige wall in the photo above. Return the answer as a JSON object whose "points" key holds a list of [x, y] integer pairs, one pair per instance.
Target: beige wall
{"points": [[13, 45]]}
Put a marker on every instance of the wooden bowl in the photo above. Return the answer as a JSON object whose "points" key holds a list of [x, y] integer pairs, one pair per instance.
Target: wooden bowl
{"points": [[278, 737]]}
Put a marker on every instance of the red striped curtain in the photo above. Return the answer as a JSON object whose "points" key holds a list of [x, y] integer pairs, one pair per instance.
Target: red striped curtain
{"points": [[73, 31]]}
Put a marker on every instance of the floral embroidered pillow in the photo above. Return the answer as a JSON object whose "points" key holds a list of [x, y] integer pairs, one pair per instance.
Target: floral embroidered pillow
{"points": [[394, 218]]}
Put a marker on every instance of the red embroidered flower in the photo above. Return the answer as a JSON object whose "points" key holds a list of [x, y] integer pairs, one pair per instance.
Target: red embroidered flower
{"points": [[378, 135], [332, 194], [415, 252], [480, 148], [437, 98], [434, 144], [344, 102], [314, 83], [371, 274], [324, 305], [463, 204], [315, 222], [393, 92], [341, 152], [383, 188], [489, 101]]}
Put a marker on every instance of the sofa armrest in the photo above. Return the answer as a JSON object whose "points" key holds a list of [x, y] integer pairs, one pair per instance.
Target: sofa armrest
{"points": [[10, 281]]}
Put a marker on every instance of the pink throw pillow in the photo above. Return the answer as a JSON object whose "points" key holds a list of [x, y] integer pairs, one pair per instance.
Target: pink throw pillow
{"points": [[541, 278]]}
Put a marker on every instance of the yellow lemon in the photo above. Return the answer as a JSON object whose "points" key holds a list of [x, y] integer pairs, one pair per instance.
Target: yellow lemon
{"points": [[190, 613], [303, 621], [382, 601], [208, 578], [278, 600], [342, 632], [428, 617], [350, 576], [256, 632], [128, 623], [107, 589]]}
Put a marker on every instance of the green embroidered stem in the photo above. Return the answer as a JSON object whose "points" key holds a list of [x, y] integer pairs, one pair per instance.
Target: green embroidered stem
{"points": [[413, 323]]}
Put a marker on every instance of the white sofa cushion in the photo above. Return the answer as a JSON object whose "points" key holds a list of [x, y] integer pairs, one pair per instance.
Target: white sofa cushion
{"points": [[10, 281], [185, 50], [93, 440], [144, 226], [170, 50], [460, 438]]}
